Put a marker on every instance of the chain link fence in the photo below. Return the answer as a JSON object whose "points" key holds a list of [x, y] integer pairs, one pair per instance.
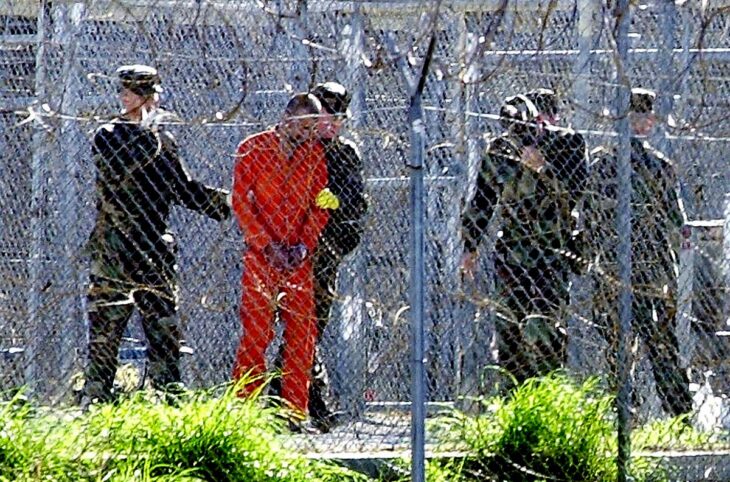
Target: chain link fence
{"points": [[522, 260]]}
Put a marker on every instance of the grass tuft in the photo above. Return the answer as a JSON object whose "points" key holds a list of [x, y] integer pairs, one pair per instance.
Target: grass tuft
{"points": [[200, 437], [549, 427], [554, 428]]}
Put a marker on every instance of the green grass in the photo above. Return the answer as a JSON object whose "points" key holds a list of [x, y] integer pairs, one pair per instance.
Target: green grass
{"points": [[547, 429], [203, 438], [554, 428], [674, 434]]}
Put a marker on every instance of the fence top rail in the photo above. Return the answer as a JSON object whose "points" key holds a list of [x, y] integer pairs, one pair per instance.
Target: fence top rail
{"points": [[227, 11], [715, 52], [28, 7]]}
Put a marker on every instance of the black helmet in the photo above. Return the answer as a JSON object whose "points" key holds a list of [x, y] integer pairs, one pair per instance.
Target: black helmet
{"points": [[545, 101], [334, 98], [518, 115], [642, 100], [141, 79]]}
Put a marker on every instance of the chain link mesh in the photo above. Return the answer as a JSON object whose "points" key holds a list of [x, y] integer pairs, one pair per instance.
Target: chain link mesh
{"points": [[520, 201]]}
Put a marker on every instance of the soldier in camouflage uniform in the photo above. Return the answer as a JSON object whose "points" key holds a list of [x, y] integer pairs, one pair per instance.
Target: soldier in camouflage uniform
{"points": [[140, 175], [657, 219], [531, 179]]}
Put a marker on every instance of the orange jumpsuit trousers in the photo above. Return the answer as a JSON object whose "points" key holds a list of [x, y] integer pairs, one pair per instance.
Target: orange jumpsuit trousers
{"points": [[262, 286]]}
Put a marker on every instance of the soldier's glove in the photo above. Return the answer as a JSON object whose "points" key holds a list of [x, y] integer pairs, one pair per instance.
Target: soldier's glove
{"points": [[326, 199]]}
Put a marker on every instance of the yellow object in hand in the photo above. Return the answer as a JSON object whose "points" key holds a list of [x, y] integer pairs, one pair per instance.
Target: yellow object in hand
{"points": [[326, 199]]}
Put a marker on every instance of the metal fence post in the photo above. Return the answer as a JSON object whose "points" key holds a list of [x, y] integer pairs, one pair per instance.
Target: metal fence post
{"points": [[300, 67], [726, 260], [665, 102], [418, 381], [474, 326], [623, 215], [417, 198], [444, 337], [68, 19], [581, 287], [587, 17], [352, 332], [667, 86], [36, 331], [416, 261]]}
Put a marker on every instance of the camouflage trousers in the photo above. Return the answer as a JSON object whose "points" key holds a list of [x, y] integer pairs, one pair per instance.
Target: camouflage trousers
{"points": [[112, 297], [654, 321], [531, 318]]}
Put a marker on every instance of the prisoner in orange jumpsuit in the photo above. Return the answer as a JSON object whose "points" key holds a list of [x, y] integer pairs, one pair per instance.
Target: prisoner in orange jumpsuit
{"points": [[278, 176]]}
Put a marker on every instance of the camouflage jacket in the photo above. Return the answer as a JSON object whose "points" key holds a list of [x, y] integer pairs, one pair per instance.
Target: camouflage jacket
{"points": [[657, 211], [140, 175], [535, 208]]}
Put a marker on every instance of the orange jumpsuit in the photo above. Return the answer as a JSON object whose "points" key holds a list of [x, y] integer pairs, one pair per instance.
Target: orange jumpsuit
{"points": [[273, 198]]}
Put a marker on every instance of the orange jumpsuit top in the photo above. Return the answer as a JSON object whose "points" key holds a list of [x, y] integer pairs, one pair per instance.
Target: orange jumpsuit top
{"points": [[273, 197]]}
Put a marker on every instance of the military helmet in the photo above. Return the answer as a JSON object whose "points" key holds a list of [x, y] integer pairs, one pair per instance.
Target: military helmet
{"points": [[642, 100], [141, 79], [334, 98], [545, 101]]}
